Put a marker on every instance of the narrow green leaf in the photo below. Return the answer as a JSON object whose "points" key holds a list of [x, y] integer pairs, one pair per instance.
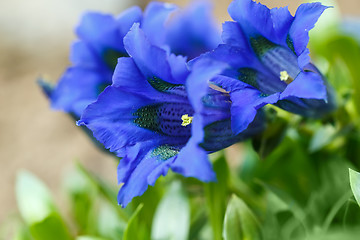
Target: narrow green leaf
{"points": [[172, 217], [216, 195], [38, 209], [240, 223], [355, 184], [135, 230]]}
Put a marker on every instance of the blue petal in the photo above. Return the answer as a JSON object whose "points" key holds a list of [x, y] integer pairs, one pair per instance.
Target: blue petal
{"points": [[128, 77], [193, 30], [120, 119], [111, 119], [232, 35], [192, 160], [101, 31], [305, 18], [77, 88], [126, 19], [306, 85], [154, 19], [82, 55], [304, 59], [151, 60], [246, 103], [198, 81], [179, 69], [233, 56], [144, 173], [256, 19]]}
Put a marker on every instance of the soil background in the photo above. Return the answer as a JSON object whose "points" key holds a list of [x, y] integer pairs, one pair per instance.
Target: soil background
{"points": [[34, 41]]}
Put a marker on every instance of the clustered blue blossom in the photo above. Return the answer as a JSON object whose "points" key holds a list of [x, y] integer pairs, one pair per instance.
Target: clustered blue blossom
{"points": [[164, 88]]}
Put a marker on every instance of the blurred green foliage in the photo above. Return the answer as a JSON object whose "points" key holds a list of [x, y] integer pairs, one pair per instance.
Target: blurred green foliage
{"points": [[292, 182]]}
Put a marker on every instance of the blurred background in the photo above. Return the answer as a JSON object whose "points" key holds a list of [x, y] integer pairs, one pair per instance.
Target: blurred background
{"points": [[35, 40]]}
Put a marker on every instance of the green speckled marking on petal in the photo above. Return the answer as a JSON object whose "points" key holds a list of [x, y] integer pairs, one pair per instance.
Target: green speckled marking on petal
{"points": [[248, 75], [261, 45], [165, 152], [161, 85], [290, 43], [110, 57], [147, 118]]}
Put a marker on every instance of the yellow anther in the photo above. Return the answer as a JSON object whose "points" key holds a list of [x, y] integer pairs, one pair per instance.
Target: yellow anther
{"points": [[186, 120], [284, 76]]}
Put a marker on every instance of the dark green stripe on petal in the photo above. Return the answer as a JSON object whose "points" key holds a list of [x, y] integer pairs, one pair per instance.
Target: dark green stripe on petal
{"points": [[290, 43], [248, 75], [163, 86], [110, 57], [261, 45], [164, 152]]}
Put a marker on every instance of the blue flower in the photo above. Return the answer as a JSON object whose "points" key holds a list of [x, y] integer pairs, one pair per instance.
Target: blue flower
{"points": [[193, 31], [94, 56], [267, 50], [157, 115]]}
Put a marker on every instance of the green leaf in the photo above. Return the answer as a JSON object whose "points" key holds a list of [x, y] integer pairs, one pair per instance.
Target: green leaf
{"points": [[134, 229], [216, 195], [38, 209], [240, 223], [82, 196], [355, 184], [172, 217], [109, 224], [106, 191], [322, 137], [22, 234]]}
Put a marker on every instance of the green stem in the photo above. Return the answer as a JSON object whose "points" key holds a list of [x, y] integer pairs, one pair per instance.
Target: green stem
{"points": [[335, 209]]}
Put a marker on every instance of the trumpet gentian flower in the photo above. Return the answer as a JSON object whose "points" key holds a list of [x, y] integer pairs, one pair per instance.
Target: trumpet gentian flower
{"points": [[267, 49], [94, 56], [157, 115]]}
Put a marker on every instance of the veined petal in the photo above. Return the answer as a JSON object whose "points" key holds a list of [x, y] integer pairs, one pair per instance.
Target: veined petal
{"points": [[305, 18]]}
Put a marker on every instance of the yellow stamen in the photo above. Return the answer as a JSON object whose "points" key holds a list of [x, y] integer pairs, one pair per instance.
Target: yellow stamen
{"points": [[186, 120], [284, 76]]}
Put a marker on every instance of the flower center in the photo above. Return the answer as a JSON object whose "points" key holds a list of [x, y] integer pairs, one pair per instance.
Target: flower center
{"points": [[186, 120]]}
